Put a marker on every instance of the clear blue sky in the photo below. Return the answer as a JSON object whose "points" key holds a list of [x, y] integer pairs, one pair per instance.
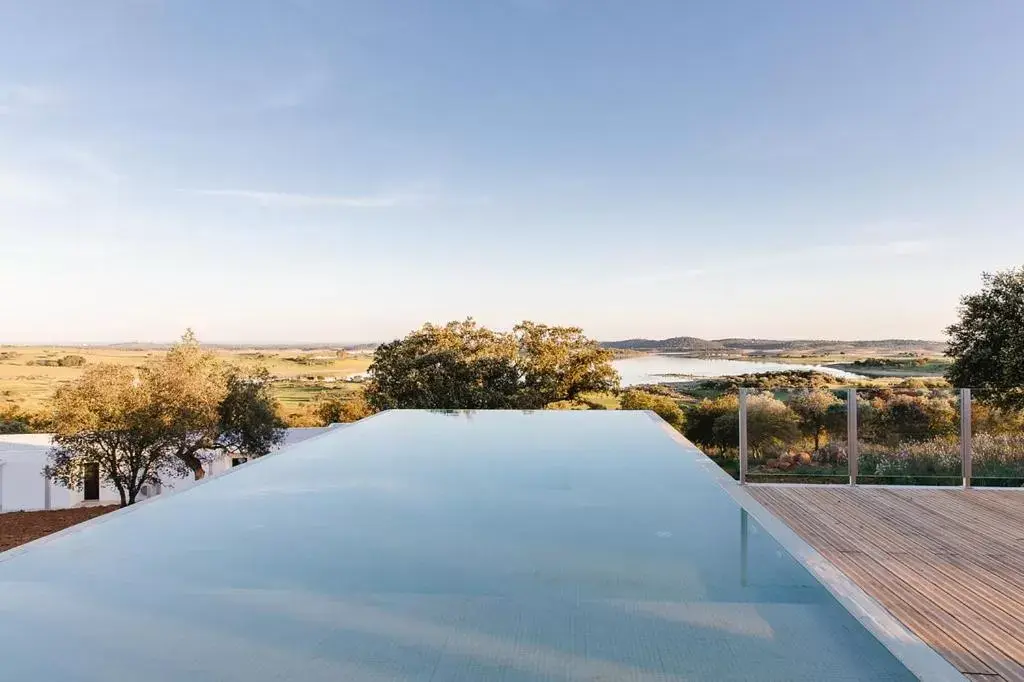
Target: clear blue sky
{"points": [[348, 170]]}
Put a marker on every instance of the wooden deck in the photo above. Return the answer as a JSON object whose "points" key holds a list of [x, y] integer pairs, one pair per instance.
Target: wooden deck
{"points": [[949, 564]]}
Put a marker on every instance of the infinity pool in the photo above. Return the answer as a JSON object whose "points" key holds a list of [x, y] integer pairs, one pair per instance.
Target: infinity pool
{"points": [[435, 547]]}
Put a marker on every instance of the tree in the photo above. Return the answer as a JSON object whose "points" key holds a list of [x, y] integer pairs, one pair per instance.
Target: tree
{"points": [[663, 406], [987, 342], [248, 423], [458, 366], [771, 425], [559, 363], [189, 384], [816, 409], [167, 417], [462, 365], [208, 406], [108, 418]]}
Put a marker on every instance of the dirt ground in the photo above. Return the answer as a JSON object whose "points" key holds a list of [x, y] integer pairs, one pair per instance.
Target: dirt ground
{"points": [[17, 528]]}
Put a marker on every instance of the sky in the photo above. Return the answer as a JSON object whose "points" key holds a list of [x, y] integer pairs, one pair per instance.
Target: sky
{"points": [[341, 171]]}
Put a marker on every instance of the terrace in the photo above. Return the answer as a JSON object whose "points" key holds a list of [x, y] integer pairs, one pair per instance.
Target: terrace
{"points": [[946, 563], [911, 526]]}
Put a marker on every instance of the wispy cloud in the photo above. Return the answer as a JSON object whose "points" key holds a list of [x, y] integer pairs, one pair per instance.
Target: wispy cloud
{"points": [[788, 257], [24, 98], [294, 200]]}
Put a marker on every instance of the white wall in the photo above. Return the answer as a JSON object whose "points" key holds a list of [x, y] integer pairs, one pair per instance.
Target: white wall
{"points": [[23, 456]]}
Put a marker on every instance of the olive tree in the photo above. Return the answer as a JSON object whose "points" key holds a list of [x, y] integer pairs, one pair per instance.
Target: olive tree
{"points": [[108, 418], [169, 416], [207, 406]]}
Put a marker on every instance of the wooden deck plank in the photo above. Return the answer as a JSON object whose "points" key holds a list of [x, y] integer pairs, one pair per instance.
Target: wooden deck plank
{"points": [[946, 563], [966, 510], [992, 589], [933, 588]]}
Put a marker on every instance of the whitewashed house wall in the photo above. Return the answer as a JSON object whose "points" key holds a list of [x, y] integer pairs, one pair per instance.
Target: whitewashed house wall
{"points": [[23, 487]]}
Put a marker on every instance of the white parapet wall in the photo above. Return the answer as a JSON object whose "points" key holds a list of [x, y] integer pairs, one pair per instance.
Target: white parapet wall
{"points": [[23, 487]]}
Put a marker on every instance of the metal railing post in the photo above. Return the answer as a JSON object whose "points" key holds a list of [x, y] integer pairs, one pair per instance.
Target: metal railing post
{"points": [[966, 451], [743, 436], [851, 434], [46, 492]]}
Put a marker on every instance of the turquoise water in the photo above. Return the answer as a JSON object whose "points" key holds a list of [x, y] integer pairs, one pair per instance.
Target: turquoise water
{"points": [[653, 369], [431, 546]]}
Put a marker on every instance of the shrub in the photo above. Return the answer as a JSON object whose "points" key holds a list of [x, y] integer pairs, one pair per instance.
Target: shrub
{"points": [[337, 410], [567, 405], [663, 406], [771, 427], [701, 418]]}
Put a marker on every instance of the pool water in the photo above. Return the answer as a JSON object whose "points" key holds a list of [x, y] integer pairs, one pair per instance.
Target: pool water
{"points": [[436, 546]]}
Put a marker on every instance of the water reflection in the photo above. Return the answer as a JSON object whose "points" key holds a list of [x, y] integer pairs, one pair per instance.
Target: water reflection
{"points": [[545, 546]]}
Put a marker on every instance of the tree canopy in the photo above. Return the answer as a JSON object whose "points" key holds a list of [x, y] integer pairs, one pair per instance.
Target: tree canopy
{"points": [[108, 417], [819, 411], [462, 365], [166, 417], [987, 342]]}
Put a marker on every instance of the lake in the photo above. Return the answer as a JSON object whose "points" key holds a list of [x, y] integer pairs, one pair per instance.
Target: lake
{"points": [[653, 369]]}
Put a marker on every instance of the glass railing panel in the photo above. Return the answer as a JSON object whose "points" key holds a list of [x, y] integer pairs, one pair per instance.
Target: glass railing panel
{"points": [[908, 436], [798, 434], [997, 442]]}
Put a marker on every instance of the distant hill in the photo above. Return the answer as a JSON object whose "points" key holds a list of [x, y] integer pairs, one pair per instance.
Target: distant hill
{"points": [[692, 344], [678, 344]]}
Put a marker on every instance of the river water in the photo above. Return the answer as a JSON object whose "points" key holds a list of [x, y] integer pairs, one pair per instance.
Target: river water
{"points": [[653, 369]]}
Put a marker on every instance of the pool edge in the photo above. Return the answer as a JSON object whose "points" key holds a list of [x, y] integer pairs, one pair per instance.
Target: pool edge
{"points": [[918, 657]]}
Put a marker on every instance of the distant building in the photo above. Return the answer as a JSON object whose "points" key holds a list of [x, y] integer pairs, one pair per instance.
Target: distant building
{"points": [[23, 487]]}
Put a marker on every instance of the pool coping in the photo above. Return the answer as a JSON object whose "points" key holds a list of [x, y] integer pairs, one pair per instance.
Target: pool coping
{"points": [[919, 658]]}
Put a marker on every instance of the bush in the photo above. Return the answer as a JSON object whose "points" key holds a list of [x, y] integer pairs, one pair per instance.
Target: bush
{"points": [[71, 361], [700, 420], [772, 427], [339, 411], [567, 405], [663, 406], [15, 420]]}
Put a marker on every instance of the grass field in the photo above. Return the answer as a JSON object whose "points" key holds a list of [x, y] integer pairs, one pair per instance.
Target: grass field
{"points": [[301, 375]]}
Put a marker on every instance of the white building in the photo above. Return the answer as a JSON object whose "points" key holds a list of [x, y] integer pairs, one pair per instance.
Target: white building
{"points": [[23, 486]]}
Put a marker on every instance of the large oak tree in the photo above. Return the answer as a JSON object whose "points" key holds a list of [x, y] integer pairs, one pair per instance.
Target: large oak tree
{"points": [[462, 365]]}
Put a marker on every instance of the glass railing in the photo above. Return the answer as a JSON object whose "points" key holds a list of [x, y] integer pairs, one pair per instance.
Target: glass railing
{"points": [[797, 435], [908, 436], [900, 436], [996, 452]]}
